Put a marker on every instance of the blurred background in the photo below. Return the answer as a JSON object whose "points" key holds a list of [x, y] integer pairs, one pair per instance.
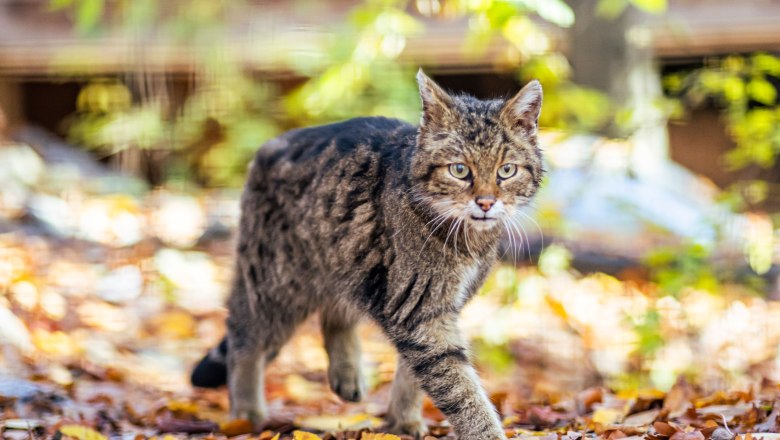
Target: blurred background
{"points": [[650, 255]]}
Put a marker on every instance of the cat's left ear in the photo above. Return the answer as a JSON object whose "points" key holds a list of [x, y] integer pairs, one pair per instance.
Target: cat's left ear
{"points": [[522, 111]]}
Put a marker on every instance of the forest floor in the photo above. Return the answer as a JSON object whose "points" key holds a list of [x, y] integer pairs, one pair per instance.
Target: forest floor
{"points": [[108, 300]]}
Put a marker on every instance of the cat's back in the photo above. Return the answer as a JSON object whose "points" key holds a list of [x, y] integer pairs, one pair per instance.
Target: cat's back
{"points": [[326, 184], [322, 146]]}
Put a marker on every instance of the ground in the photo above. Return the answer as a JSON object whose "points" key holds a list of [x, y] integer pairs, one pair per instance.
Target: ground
{"points": [[103, 319]]}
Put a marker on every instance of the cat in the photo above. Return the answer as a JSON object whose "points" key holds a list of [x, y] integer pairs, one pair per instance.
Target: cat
{"points": [[375, 217]]}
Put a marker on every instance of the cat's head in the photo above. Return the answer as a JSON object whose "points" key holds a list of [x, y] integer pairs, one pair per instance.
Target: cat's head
{"points": [[477, 161]]}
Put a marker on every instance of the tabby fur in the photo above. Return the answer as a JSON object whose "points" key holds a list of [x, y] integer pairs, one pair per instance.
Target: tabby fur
{"points": [[365, 218]]}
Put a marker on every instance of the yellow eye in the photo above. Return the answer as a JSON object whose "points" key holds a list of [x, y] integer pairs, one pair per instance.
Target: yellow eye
{"points": [[507, 170], [459, 170]]}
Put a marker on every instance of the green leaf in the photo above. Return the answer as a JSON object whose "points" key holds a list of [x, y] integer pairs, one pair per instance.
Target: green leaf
{"points": [[734, 89], [761, 90], [56, 5], [610, 9], [650, 6], [766, 64], [554, 11], [88, 13]]}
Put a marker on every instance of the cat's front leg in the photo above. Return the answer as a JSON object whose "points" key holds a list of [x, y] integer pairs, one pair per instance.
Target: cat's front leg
{"points": [[404, 415], [434, 351], [345, 375]]}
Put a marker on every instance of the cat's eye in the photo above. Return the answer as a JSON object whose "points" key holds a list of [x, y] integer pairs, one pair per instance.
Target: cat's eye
{"points": [[507, 170], [459, 170]]}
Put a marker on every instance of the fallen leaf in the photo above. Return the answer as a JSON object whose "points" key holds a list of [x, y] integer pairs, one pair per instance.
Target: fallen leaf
{"points": [[665, 429], [771, 423], [378, 436], [182, 406], [303, 435], [606, 416], [352, 422], [765, 436], [24, 424], [81, 432], [678, 398], [236, 427], [642, 418], [682, 435], [170, 424], [615, 434], [586, 399], [539, 416], [721, 398]]}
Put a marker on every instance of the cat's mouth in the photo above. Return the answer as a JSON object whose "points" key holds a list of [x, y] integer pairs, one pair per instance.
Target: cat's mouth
{"points": [[483, 219]]}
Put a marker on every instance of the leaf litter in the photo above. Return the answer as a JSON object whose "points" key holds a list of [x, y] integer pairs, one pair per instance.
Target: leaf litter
{"points": [[98, 332]]}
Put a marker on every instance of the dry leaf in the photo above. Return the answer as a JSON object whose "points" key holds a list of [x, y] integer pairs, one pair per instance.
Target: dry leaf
{"points": [[182, 406], [81, 432], [665, 429], [681, 435], [642, 418], [23, 424], [236, 427], [606, 416], [586, 399], [353, 422], [170, 424], [303, 435], [378, 436], [764, 436]]}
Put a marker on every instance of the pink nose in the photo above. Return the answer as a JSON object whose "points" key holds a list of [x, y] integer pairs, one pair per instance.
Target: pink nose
{"points": [[485, 202]]}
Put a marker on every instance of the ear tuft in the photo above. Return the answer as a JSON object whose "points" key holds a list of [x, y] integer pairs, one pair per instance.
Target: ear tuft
{"points": [[522, 111], [437, 104]]}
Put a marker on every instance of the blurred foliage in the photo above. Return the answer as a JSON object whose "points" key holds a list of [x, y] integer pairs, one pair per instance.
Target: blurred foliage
{"points": [[745, 87], [613, 8], [680, 267], [354, 70]]}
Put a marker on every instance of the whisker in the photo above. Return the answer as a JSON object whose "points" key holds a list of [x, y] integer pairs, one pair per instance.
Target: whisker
{"points": [[516, 224], [538, 228], [442, 218], [466, 236], [512, 244], [449, 232]]}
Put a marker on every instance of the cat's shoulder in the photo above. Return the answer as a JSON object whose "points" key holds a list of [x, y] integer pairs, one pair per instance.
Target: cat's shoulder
{"points": [[355, 128], [376, 133]]}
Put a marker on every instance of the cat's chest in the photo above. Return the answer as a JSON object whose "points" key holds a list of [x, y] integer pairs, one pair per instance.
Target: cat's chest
{"points": [[468, 282]]}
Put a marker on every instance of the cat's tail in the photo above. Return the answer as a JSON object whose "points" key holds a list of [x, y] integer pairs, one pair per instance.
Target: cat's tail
{"points": [[211, 371]]}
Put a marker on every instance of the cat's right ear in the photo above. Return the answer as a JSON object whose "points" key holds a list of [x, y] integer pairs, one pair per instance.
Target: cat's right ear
{"points": [[437, 105]]}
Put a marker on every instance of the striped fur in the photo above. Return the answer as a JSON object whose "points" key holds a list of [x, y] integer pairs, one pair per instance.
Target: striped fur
{"points": [[364, 219]]}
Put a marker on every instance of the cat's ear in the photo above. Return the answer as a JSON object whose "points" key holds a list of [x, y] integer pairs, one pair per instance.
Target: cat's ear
{"points": [[522, 111], [437, 104]]}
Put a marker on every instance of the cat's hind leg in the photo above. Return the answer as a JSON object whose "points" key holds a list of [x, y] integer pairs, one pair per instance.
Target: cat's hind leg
{"points": [[345, 375], [257, 329]]}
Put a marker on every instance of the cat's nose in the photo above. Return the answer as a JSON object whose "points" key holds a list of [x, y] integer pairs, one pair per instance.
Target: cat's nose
{"points": [[485, 202]]}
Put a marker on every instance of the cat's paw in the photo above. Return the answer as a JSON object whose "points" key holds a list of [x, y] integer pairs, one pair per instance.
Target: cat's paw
{"points": [[347, 381], [416, 429], [255, 416]]}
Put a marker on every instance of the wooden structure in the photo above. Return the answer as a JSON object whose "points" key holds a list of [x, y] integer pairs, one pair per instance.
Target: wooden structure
{"points": [[43, 61]]}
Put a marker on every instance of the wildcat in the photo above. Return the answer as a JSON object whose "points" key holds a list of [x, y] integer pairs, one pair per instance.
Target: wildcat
{"points": [[375, 217]]}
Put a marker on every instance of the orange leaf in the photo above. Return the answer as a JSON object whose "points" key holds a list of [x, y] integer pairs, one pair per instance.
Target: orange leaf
{"points": [[378, 436], [303, 435], [236, 427]]}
